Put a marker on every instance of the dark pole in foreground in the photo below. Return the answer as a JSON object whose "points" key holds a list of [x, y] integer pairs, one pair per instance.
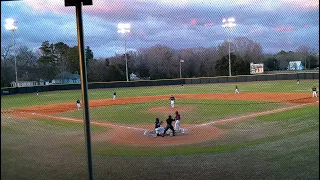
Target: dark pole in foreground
{"points": [[84, 86]]}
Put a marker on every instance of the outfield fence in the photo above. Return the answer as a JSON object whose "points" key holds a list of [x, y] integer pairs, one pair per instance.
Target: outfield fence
{"points": [[162, 82]]}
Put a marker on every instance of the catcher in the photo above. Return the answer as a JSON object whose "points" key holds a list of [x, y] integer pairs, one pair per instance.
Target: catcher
{"points": [[157, 127]]}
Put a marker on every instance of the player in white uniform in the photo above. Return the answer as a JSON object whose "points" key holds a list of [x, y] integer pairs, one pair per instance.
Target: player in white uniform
{"points": [[78, 104], [172, 100], [114, 95], [177, 122], [237, 90], [314, 92]]}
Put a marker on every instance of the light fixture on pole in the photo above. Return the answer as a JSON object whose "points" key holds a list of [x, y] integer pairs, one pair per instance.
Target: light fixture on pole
{"points": [[123, 29], [181, 61], [11, 26], [229, 23]]}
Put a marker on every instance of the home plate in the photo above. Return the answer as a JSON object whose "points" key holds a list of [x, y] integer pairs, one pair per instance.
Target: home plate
{"points": [[33, 113]]}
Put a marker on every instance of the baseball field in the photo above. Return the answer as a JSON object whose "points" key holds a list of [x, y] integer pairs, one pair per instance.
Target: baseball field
{"points": [[268, 131]]}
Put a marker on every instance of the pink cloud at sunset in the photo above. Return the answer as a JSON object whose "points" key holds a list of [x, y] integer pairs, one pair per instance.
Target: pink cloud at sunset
{"points": [[193, 21], [208, 25], [285, 28]]}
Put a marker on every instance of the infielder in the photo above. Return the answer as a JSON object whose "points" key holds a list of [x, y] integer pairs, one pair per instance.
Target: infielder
{"points": [[314, 92], [172, 100], [114, 95], [177, 123], [298, 81], [237, 90], [78, 104]]}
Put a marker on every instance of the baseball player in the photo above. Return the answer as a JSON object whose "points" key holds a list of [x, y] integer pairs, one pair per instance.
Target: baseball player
{"points": [[172, 100], [114, 95], [314, 92], [237, 90], [78, 104], [157, 127], [169, 125], [298, 81], [177, 123]]}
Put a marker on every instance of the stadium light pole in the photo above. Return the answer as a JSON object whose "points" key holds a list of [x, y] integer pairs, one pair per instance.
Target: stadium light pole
{"points": [[229, 23], [181, 61], [11, 25], [123, 29]]}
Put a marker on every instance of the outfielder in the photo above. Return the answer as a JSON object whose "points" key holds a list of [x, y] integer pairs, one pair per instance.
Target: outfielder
{"points": [[237, 90], [177, 123], [314, 92], [172, 100], [78, 104]]}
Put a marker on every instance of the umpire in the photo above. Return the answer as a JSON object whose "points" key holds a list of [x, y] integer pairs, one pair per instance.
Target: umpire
{"points": [[169, 126]]}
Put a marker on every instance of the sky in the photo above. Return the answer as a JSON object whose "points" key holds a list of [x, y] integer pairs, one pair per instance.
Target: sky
{"points": [[275, 25]]}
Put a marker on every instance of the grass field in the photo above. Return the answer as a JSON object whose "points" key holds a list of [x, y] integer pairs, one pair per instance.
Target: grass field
{"points": [[24, 100], [282, 145]]}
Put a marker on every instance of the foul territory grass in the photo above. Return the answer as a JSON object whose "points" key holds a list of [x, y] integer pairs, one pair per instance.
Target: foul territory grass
{"points": [[202, 111], [55, 97]]}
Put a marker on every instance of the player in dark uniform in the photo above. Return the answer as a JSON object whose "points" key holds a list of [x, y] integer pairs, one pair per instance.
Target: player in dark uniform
{"points": [[172, 100], [169, 126]]}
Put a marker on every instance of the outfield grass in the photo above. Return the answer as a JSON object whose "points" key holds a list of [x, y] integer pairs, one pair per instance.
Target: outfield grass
{"points": [[55, 97]]}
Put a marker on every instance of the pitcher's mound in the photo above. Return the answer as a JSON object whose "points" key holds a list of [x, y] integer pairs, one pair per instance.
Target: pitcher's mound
{"points": [[168, 109]]}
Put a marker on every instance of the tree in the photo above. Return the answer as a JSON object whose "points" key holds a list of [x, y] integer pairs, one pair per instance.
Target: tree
{"points": [[271, 63], [304, 52], [238, 66], [248, 50], [162, 62], [27, 64], [88, 55], [60, 52], [47, 61]]}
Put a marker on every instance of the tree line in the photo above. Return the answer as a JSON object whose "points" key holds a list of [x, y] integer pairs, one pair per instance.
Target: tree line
{"points": [[157, 62]]}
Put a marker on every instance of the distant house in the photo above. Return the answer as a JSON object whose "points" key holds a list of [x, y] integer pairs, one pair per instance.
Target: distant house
{"points": [[134, 77], [23, 83], [66, 78], [44, 82]]}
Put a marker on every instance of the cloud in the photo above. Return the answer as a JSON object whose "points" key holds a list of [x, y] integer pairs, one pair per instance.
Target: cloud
{"points": [[178, 24], [287, 28]]}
